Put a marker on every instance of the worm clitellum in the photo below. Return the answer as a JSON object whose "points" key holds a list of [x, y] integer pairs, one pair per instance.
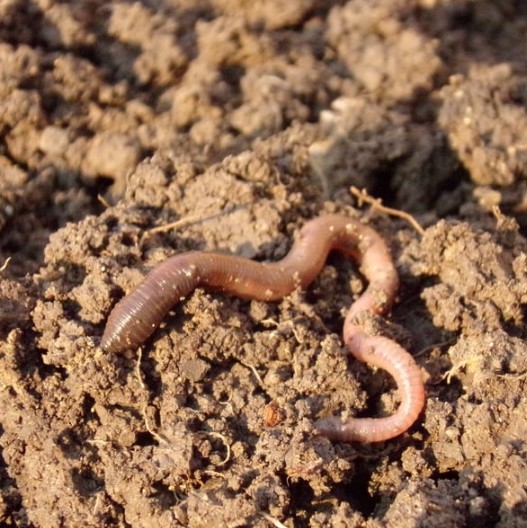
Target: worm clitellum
{"points": [[138, 314]]}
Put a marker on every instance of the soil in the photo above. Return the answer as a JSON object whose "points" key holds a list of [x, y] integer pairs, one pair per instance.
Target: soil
{"points": [[133, 130]]}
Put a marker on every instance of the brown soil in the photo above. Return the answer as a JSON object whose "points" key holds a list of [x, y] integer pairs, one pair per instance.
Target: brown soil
{"points": [[241, 120]]}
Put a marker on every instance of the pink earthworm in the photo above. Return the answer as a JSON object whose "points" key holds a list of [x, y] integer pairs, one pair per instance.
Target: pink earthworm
{"points": [[138, 314]]}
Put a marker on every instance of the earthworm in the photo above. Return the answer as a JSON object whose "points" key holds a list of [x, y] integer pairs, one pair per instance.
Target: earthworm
{"points": [[138, 314]]}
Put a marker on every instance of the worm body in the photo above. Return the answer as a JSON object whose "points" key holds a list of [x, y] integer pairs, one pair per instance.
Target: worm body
{"points": [[138, 314], [384, 353]]}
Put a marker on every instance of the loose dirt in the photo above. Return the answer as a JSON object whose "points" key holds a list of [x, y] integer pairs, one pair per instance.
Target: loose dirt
{"points": [[133, 130]]}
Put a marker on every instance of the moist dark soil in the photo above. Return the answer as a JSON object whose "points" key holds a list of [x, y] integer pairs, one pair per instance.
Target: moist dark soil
{"points": [[130, 131]]}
